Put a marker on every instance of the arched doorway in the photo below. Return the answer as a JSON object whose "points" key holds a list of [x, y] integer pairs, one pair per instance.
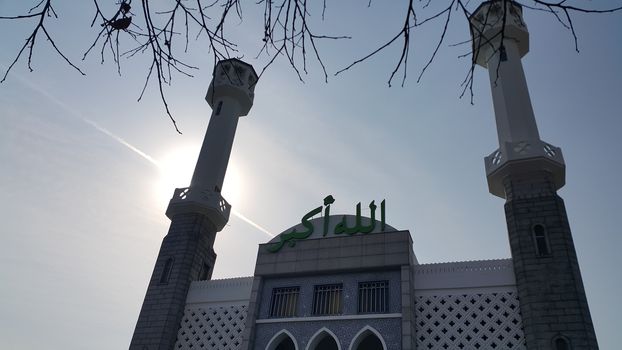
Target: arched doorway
{"points": [[370, 342], [283, 340], [368, 339], [286, 344], [328, 343], [323, 339]]}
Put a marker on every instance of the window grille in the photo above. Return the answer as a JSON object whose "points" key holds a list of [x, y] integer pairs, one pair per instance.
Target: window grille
{"points": [[374, 297], [284, 301], [327, 299]]}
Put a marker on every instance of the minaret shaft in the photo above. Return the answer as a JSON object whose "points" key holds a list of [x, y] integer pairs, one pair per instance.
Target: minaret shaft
{"points": [[214, 157], [548, 279], [500, 40], [197, 213], [510, 96], [527, 172]]}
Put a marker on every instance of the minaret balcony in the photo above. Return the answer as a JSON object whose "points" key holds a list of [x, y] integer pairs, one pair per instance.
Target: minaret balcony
{"points": [[522, 157], [233, 79], [492, 21], [200, 201]]}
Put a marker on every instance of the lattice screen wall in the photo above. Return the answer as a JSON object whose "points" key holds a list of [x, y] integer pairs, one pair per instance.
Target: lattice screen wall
{"points": [[469, 321], [213, 328]]}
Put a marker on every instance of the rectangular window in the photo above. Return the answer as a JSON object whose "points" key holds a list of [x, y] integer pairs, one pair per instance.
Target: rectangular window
{"points": [[373, 297], [327, 299], [284, 301]]}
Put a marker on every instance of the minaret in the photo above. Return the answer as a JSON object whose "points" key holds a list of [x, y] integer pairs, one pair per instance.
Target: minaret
{"points": [[197, 212], [527, 172]]}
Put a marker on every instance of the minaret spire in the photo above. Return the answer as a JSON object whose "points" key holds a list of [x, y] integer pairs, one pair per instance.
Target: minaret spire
{"points": [[228, 103], [197, 212], [500, 51], [527, 172], [231, 96]]}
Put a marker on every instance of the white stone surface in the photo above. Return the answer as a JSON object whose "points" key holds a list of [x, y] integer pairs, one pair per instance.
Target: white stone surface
{"points": [[230, 95], [215, 314], [455, 277], [224, 292], [500, 39]]}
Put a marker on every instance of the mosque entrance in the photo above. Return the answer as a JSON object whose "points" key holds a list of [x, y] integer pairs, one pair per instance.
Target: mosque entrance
{"points": [[370, 342], [328, 343], [286, 344]]}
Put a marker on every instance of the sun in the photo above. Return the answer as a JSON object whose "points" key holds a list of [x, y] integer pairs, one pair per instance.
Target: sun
{"points": [[176, 168]]}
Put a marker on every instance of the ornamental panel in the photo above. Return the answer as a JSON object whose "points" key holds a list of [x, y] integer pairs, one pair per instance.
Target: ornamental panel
{"points": [[214, 328], [469, 321]]}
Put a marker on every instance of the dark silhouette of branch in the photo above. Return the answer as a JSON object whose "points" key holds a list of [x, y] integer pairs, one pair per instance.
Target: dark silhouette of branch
{"points": [[290, 31], [46, 11], [404, 33]]}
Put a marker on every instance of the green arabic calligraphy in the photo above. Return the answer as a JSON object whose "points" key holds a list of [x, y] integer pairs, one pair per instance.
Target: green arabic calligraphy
{"points": [[341, 228]]}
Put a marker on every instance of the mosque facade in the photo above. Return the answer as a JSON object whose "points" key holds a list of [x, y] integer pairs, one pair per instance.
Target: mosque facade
{"points": [[349, 282]]}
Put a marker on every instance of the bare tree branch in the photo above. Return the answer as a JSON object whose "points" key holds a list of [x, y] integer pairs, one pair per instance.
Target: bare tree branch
{"points": [[289, 31], [46, 11]]}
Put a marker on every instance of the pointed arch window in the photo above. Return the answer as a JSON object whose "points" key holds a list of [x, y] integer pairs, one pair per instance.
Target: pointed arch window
{"points": [[368, 339], [166, 271], [282, 340], [286, 344], [370, 342], [561, 343], [324, 339], [541, 240]]}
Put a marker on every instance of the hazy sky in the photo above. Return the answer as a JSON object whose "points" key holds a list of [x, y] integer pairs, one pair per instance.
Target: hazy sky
{"points": [[87, 171]]}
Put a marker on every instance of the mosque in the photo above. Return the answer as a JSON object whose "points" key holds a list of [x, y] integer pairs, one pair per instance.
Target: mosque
{"points": [[350, 282]]}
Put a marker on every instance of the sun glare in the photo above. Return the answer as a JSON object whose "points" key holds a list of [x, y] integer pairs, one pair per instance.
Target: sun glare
{"points": [[232, 187], [176, 168]]}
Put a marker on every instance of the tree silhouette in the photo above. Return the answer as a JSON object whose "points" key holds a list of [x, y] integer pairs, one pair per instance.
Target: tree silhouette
{"points": [[291, 29]]}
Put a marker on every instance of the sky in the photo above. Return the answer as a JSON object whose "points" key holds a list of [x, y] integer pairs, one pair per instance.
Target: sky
{"points": [[87, 171]]}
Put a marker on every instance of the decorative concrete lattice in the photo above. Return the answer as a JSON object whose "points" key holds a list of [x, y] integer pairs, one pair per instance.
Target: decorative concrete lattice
{"points": [[469, 321], [214, 328]]}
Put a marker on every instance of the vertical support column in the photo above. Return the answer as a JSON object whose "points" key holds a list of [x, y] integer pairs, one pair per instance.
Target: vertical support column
{"points": [[408, 307], [248, 336]]}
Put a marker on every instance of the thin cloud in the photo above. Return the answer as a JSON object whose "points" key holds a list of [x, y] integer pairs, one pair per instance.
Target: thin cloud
{"points": [[250, 222], [120, 140], [123, 142]]}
